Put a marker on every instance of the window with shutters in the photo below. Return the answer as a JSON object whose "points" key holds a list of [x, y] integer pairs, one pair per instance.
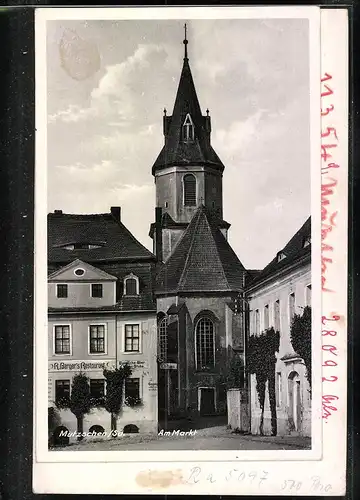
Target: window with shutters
{"points": [[189, 190]]}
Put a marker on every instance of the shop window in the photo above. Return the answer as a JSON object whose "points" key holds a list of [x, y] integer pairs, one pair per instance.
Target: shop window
{"points": [[132, 391], [62, 392], [97, 391]]}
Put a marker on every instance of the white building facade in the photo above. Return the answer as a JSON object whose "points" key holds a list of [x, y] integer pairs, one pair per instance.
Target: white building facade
{"points": [[281, 290], [86, 334]]}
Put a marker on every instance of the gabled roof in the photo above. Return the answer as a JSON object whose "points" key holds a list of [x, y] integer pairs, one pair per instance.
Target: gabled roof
{"points": [[202, 261], [293, 252], [115, 242], [91, 273], [176, 151]]}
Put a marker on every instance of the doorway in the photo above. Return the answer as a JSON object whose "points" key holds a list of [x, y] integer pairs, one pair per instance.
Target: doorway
{"points": [[207, 400], [294, 395]]}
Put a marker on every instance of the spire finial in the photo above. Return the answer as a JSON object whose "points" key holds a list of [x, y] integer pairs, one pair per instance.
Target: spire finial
{"points": [[185, 42]]}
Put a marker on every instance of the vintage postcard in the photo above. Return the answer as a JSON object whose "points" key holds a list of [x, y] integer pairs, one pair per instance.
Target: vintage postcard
{"points": [[190, 254]]}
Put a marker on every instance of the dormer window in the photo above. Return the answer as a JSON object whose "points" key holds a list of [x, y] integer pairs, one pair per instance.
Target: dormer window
{"points": [[131, 285], [188, 129], [280, 256], [307, 241], [81, 246]]}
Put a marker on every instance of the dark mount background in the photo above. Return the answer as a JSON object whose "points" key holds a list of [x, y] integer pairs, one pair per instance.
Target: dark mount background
{"points": [[17, 148]]}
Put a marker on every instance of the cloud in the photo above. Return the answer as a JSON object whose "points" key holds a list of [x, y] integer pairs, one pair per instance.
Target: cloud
{"points": [[114, 95], [239, 134]]}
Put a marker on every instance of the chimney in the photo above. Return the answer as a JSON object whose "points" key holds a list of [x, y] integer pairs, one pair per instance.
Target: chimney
{"points": [[58, 212], [158, 234], [116, 213]]}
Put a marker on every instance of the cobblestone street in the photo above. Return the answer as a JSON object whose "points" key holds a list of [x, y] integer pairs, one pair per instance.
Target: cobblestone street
{"points": [[213, 438]]}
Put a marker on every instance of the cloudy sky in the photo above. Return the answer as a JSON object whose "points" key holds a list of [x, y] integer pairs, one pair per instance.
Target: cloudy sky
{"points": [[107, 85]]}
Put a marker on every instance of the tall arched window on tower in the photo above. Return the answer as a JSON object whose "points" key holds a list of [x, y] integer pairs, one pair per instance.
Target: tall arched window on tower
{"points": [[189, 190], [205, 343], [162, 338], [188, 129]]}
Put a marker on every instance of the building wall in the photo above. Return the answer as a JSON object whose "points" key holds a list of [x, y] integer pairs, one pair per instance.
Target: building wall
{"points": [[65, 366], [279, 290], [79, 294], [191, 380], [169, 190]]}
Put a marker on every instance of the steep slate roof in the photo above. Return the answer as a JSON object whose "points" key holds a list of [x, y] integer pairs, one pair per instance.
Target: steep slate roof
{"points": [[175, 151], [202, 261], [104, 229], [168, 222], [294, 251]]}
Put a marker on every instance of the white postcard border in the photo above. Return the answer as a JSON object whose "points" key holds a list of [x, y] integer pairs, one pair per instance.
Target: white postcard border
{"points": [[101, 477]]}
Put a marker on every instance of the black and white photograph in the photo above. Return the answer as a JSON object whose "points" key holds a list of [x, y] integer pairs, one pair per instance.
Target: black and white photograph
{"points": [[179, 234], [183, 240]]}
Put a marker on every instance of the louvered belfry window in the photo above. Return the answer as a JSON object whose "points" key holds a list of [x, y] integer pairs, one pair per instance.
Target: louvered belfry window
{"points": [[188, 129], [205, 343], [189, 190]]}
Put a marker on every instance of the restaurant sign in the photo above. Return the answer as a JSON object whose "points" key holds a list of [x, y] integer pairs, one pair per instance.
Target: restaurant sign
{"points": [[81, 366]]}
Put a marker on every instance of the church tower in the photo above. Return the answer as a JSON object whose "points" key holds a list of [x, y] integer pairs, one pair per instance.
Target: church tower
{"points": [[188, 172]]}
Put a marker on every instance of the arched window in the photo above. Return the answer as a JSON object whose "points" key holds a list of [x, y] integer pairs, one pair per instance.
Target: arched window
{"points": [[188, 129], [162, 338], [131, 285], [189, 190], [205, 343]]}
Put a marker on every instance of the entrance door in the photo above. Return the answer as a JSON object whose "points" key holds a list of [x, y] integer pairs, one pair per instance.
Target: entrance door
{"points": [[207, 401], [294, 401]]}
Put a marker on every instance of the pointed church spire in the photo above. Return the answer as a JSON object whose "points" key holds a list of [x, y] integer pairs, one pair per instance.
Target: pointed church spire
{"points": [[185, 42], [182, 147]]}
